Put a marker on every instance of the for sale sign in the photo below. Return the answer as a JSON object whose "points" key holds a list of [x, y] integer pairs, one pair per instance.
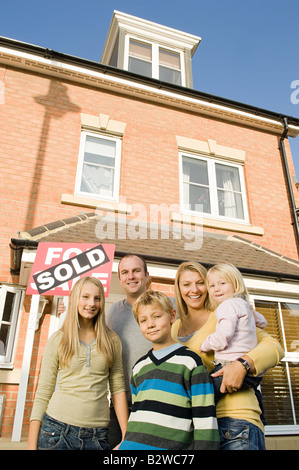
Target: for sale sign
{"points": [[58, 266]]}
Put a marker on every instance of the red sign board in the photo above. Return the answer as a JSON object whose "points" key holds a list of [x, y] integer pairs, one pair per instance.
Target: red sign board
{"points": [[58, 266]]}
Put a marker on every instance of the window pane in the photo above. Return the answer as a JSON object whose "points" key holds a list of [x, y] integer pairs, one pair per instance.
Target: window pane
{"points": [[99, 147], [98, 166], [196, 185], [140, 50], [294, 374], [140, 66], [276, 396], [4, 335], [169, 59], [199, 199], [230, 204], [228, 177], [275, 387], [170, 75], [195, 171], [290, 315], [270, 310], [97, 180], [8, 306]]}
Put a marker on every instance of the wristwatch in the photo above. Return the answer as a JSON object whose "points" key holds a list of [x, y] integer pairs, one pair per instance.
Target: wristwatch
{"points": [[245, 364]]}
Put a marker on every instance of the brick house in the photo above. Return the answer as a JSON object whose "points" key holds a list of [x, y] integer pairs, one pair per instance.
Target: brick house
{"points": [[125, 151]]}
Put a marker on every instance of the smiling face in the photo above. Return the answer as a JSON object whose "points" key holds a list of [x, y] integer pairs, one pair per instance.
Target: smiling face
{"points": [[155, 325], [220, 288], [193, 289], [132, 276], [89, 301]]}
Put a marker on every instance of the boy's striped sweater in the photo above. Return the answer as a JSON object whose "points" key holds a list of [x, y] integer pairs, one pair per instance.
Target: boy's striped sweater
{"points": [[173, 404]]}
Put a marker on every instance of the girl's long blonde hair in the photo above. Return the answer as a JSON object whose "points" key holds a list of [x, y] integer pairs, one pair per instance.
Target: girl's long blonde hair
{"points": [[232, 275], [181, 306], [106, 339]]}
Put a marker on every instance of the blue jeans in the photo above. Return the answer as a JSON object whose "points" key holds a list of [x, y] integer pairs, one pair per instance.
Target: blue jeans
{"points": [[55, 435], [238, 434]]}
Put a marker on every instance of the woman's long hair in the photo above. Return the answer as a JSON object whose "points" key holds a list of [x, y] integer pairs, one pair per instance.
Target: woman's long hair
{"points": [[106, 339], [181, 306]]}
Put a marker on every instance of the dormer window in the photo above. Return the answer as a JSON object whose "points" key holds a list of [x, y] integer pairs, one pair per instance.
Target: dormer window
{"points": [[150, 49], [154, 61]]}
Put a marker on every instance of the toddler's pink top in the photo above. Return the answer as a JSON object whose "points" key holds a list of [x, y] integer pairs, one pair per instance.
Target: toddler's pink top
{"points": [[235, 333]]}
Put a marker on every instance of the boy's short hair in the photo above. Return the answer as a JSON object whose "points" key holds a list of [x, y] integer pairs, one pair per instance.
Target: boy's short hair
{"points": [[152, 297]]}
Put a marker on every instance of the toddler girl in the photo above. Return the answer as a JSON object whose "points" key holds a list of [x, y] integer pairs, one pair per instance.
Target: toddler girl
{"points": [[235, 333]]}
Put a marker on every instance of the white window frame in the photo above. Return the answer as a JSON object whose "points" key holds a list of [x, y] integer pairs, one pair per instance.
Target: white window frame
{"points": [[155, 56], [211, 166], [6, 360], [289, 357], [116, 182]]}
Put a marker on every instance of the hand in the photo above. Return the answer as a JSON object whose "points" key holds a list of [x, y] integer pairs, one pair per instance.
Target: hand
{"points": [[233, 376], [61, 309], [116, 447]]}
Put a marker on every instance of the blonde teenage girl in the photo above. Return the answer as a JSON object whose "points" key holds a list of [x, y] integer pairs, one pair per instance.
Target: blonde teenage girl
{"points": [[85, 355]]}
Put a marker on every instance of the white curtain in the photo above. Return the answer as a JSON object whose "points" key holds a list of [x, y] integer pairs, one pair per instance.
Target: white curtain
{"points": [[230, 206]]}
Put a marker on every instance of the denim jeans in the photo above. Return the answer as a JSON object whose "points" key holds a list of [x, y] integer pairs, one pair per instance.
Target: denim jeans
{"points": [[55, 435], [238, 434]]}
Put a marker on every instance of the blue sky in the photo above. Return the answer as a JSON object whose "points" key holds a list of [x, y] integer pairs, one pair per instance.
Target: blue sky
{"points": [[248, 53]]}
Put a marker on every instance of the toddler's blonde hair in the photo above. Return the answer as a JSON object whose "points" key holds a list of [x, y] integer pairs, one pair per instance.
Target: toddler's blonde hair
{"points": [[231, 274]]}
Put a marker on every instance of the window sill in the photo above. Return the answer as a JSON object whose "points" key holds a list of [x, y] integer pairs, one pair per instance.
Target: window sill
{"points": [[216, 223], [72, 200], [9, 376]]}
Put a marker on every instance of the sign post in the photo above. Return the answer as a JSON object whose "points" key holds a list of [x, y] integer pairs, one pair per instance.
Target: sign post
{"points": [[18, 421]]}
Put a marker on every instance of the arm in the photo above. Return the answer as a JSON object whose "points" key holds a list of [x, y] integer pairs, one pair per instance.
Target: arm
{"points": [[118, 391], [227, 315], [34, 428], [46, 386], [120, 404], [264, 356], [260, 320], [225, 329]]}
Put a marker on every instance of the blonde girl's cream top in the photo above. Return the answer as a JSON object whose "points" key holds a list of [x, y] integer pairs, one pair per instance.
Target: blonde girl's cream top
{"points": [[80, 397]]}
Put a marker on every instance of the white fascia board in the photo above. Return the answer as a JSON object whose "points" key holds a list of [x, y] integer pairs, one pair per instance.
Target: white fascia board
{"points": [[271, 287]]}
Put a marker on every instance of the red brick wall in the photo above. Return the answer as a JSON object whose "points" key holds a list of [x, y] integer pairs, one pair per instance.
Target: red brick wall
{"points": [[40, 139]]}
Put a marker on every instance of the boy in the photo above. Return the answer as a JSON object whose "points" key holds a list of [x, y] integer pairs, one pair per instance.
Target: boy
{"points": [[173, 397]]}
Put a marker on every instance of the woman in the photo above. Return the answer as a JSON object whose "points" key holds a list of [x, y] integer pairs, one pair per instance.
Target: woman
{"points": [[238, 412], [74, 414]]}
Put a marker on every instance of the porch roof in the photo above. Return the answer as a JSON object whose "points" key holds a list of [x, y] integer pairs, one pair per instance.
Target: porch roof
{"points": [[164, 245]]}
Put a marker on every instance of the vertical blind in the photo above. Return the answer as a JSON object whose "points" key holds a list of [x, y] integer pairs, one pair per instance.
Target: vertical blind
{"points": [[280, 385]]}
